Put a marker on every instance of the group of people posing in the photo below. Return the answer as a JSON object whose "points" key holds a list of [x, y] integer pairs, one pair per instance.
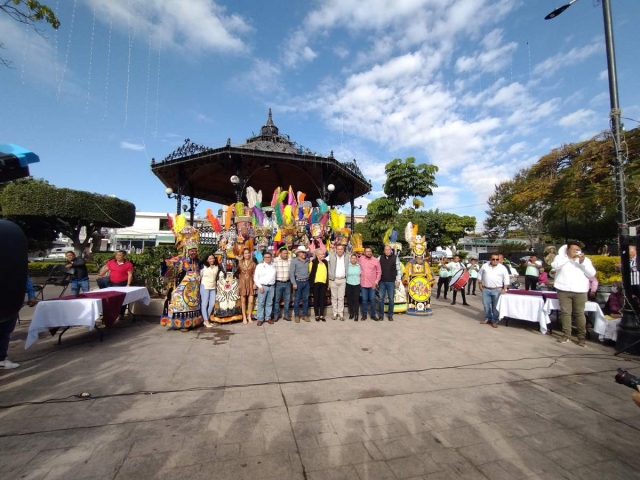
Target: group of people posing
{"points": [[309, 275]]}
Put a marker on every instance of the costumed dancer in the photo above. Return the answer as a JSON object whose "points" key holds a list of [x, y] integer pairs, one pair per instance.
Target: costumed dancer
{"points": [[400, 293], [319, 230], [182, 309], [418, 276]]}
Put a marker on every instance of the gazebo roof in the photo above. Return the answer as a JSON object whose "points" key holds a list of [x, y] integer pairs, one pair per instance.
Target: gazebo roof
{"points": [[265, 162]]}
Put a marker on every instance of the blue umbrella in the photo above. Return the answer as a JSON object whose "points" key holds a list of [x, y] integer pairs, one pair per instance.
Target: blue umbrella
{"points": [[15, 161]]}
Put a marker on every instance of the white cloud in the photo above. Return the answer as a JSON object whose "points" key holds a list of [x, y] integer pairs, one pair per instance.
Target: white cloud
{"points": [[494, 57], [565, 59], [136, 147], [297, 51], [202, 26], [600, 99], [263, 77], [33, 57], [341, 52], [603, 75], [578, 118]]}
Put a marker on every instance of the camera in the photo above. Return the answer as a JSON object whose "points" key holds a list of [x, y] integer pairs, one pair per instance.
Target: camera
{"points": [[625, 378]]}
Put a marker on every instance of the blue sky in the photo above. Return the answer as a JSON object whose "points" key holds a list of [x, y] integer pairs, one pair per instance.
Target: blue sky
{"points": [[480, 88]]}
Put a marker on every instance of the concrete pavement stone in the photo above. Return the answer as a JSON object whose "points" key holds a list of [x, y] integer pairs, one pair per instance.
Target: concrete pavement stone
{"points": [[413, 466], [365, 401], [336, 473], [374, 471]]}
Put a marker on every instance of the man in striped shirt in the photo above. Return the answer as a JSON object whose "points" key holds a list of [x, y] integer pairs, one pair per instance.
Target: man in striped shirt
{"points": [[282, 264]]}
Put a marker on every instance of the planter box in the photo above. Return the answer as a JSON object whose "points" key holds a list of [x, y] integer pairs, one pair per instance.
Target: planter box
{"points": [[154, 309]]}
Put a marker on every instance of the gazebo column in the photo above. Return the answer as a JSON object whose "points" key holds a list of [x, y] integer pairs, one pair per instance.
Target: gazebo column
{"points": [[191, 205], [352, 201], [179, 192]]}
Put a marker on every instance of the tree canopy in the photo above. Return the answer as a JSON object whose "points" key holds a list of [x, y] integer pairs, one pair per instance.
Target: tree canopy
{"points": [[568, 194], [29, 12], [67, 211], [405, 179]]}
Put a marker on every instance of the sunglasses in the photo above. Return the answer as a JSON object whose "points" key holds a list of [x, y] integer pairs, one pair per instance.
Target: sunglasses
{"points": [[495, 259]]}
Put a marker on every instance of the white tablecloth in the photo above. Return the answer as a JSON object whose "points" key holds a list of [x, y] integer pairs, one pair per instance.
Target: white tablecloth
{"points": [[603, 327], [523, 307], [76, 312], [133, 294]]}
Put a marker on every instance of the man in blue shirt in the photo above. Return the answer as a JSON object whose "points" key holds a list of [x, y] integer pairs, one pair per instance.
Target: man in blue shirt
{"points": [[7, 325]]}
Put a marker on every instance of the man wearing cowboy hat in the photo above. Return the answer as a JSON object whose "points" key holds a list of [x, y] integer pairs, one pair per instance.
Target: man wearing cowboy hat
{"points": [[299, 276]]}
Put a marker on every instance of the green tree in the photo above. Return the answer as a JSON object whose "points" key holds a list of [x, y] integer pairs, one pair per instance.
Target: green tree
{"points": [[568, 193], [39, 232], [29, 12], [380, 215], [70, 212], [406, 180]]}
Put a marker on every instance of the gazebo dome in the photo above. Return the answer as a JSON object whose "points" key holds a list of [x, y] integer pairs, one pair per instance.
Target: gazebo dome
{"points": [[270, 139], [269, 129]]}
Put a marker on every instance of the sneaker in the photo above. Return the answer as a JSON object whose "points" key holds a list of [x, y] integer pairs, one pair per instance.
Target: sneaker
{"points": [[8, 364], [563, 339], [582, 342]]}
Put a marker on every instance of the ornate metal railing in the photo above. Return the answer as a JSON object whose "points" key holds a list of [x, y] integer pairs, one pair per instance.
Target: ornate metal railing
{"points": [[189, 148]]}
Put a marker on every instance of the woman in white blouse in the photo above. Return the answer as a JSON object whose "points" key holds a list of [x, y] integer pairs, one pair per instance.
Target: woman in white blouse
{"points": [[209, 276]]}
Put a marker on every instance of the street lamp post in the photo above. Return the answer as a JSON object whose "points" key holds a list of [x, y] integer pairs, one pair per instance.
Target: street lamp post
{"points": [[177, 196], [235, 180], [629, 327]]}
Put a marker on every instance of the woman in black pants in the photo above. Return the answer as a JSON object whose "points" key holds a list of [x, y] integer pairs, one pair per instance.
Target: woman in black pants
{"points": [[319, 279], [353, 287]]}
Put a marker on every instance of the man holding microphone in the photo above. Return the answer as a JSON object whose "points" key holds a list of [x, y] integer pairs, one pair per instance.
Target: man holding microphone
{"points": [[573, 271]]}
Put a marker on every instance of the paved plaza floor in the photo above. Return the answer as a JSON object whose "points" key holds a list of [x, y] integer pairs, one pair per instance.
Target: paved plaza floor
{"points": [[418, 398]]}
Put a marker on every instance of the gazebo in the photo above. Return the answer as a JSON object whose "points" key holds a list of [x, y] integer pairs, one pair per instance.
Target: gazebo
{"points": [[266, 161]]}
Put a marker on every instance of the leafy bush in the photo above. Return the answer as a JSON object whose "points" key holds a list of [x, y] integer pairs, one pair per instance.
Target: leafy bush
{"points": [[40, 199], [42, 269], [606, 272]]}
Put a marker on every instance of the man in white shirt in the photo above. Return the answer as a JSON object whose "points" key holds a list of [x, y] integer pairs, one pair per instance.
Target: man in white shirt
{"points": [[265, 280], [454, 267], [282, 264], [338, 280], [493, 280], [573, 271]]}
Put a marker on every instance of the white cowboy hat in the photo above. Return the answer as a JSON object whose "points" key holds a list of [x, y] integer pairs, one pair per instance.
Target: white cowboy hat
{"points": [[301, 248]]}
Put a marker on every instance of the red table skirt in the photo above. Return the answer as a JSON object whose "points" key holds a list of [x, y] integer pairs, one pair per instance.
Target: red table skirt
{"points": [[111, 304]]}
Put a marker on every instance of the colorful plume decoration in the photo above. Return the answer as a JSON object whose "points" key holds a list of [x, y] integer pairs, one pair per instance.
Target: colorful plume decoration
{"points": [[239, 209], [386, 239], [227, 209], [322, 205], [291, 198], [288, 214], [356, 242], [170, 221], [408, 233], [274, 198], [179, 223], [258, 216], [394, 236], [215, 223], [252, 196]]}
